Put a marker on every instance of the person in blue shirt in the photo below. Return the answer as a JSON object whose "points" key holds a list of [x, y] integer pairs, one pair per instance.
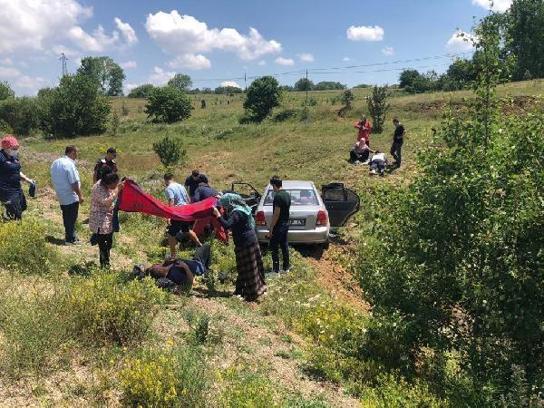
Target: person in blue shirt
{"points": [[177, 195], [11, 192], [67, 185]]}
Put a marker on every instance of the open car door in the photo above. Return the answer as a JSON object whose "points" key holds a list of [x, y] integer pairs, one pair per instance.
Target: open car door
{"points": [[250, 195], [341, 203]]}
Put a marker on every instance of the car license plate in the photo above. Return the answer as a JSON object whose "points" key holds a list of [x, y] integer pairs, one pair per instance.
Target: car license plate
{"points": [[297, 222]]}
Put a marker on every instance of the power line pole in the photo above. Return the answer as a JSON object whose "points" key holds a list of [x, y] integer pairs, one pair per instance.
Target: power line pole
{"points": [[306, 87], [63, 58], [245, 81]]}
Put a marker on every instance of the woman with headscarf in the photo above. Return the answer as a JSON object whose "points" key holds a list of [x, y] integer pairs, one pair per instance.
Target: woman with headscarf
{"points": [[11, 192], [250, 283]]}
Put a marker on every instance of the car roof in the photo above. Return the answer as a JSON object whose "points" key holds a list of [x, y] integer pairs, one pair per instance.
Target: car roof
{"points": [[293, 184]]}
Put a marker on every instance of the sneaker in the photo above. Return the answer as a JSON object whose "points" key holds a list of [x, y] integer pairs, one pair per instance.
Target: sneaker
{"points": [[285, 270], [76, 242]]}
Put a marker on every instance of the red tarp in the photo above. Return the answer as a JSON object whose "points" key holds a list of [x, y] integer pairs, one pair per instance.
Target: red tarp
{"points": [[134, 199]]}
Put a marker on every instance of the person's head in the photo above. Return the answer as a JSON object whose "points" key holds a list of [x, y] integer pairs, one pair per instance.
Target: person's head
{"points": [[71, 151], [168, 178], [10, 145], [195, 174], [363, 118], [276, 183], [110, 180], [396, 121], [111, 154], [202, 179]]}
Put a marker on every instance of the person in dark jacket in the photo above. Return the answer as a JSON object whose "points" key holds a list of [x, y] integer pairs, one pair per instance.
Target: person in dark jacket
{"points": [[398, 141], [203, 190], [105, 165], [250, 283], [11, 192], [192, 182], [279, 226]]}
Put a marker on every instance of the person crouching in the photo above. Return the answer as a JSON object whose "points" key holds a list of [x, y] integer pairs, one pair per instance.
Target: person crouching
{"points": [[360, 152]]}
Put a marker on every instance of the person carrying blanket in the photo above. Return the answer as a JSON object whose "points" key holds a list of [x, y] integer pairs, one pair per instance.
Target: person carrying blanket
{"points": [[250, 283]]}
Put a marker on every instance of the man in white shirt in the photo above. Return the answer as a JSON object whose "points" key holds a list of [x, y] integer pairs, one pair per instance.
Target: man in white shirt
{"points": [[67, 185]]}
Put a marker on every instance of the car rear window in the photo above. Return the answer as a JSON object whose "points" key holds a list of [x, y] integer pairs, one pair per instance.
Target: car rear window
{"points": [[298, 197]]}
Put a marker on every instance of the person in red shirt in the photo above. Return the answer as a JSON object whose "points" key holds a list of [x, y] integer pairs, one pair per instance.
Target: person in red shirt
{"points": [[365, 129]]}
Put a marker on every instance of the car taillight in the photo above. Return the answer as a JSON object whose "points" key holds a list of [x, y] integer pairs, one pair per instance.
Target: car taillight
{"points": [[322, 218], [260, 218]]}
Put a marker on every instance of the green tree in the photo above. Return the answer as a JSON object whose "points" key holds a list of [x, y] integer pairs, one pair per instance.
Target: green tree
{"points": [[227, 90], [107, 74], [181, 81], [21, 114], [142, 91], [5, 91], [408, 78], [378, 107], [525, 36], [168, 104], [328, 86], [304, 84], [76, 107], [262, 96], [170, 151]]}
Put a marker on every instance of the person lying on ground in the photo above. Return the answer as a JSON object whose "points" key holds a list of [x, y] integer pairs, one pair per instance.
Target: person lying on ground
{"points": [[250, 283], [360, 152], [11, 191], [203, 190], [182, 271], [103, 196], [177, 196], [378, 163], [365, 129]]}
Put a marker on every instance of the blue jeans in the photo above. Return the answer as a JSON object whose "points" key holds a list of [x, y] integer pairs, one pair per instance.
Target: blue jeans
{"points": [[277, 241]]}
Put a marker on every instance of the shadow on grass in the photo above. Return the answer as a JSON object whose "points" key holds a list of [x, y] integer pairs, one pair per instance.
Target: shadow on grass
{"points": [[54, 241], [310, 251], [206, 293]]}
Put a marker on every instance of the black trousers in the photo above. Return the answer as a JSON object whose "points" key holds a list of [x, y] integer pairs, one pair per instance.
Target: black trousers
{"points": [[203, 254], [105, 242], [396, 151], [277, 241], [354, 156], [69, 218], [15, 205]]}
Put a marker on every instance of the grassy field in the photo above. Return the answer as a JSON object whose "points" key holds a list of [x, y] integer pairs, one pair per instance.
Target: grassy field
{"points": [[91, 338]]}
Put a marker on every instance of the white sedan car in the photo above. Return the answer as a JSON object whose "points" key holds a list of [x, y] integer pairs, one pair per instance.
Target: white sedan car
{"points": [[312, 214]]}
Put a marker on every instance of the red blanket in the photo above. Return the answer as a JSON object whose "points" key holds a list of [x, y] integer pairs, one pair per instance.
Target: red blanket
{"points": [[134, 199]]}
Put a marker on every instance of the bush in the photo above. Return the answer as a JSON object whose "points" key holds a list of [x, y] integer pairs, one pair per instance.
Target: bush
{"points": [[263, 95], [24, 248], [142, 91], [5, 91], [170, 151], [170, 378], [75, 107], [105, 310], [378, 107], [168, 104], [21, 114]]}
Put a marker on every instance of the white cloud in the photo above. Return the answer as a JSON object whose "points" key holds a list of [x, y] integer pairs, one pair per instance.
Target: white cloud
{"points": [[190, 61], [127, 31], [388, 51], [184, 35], [346, 59], [365, 33], [19, 80], [306, 57], [6, 61], [38, 25], [284, 61], [496, 5], [262, 63], [7, 73], [461, 41], [128, 65], [159, 76], [231, 83]]}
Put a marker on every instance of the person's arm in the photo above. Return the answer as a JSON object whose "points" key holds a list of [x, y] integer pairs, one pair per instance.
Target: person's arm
{"points": [[227, 223], [112, 196], [275, 218], [76, 189], [25, 178]]}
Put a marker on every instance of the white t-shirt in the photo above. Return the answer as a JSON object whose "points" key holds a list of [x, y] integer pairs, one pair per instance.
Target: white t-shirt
{"points": [[379, 156]]}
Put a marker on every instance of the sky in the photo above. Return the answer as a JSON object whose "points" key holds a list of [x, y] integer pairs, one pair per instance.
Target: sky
{"points": [[231, 42]]}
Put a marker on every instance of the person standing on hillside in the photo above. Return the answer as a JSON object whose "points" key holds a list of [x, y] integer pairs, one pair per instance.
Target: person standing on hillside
{"points": [[279, 227], [105, 165], [67, 185], [365, 129], [11, 192], [177, 196], [398, 141], [103, 197]]}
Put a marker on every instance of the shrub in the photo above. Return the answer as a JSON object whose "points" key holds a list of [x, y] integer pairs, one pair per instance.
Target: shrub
{"points": [[170, 151], [169, 378], [262, 96], [5, 91], [168, 104], [24, 248], [114, 123], [21, 114], [75, 107], [378, 107], [104, 309]]}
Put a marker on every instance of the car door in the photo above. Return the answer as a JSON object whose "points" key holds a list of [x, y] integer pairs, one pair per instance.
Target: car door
{"points": [[250, 195], [341, 203]]}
